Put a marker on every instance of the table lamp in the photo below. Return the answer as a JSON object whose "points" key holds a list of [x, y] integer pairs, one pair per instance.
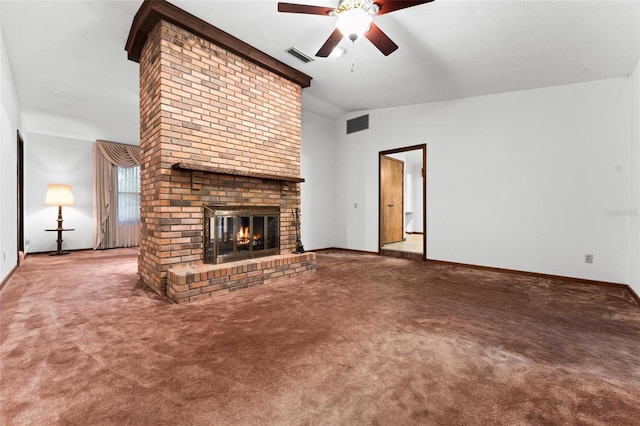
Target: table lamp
{"points": [[59, 195]]}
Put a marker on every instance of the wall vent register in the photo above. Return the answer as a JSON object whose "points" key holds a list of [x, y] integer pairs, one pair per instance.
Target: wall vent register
{"points": [[300, 55], [357, 124]]}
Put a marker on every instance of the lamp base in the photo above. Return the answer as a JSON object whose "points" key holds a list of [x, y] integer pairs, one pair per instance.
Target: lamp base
{"points": [[58, 253]]}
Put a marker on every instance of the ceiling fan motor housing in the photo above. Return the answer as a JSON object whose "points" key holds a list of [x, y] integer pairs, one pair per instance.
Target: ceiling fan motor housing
{"points": [[353, 23], [367, 5]]}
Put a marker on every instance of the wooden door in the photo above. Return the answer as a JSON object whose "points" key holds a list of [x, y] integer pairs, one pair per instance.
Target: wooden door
{"points": [[391, 200]]}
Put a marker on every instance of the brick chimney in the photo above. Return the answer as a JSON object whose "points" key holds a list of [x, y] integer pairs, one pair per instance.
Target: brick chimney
{"points": [[220, 125]]}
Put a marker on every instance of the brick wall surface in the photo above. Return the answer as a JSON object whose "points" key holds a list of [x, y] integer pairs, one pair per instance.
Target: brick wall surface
{"points": [[150, 265], [202, 104], [220, 108]]}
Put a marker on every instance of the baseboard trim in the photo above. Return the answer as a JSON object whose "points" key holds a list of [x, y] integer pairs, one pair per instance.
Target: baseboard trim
{"points": [[541, 275], [53, 251], [8, 277], [633, 294]]}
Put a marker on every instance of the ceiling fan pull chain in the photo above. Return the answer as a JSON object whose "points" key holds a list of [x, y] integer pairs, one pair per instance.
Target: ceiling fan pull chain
{"points": [[353, 55]]}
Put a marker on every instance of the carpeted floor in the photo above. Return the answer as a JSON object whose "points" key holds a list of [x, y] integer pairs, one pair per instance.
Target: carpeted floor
{"points": [[366, 340]]}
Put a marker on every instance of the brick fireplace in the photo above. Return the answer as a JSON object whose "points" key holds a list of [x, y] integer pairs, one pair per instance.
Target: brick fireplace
{"points": [[220, 125]]}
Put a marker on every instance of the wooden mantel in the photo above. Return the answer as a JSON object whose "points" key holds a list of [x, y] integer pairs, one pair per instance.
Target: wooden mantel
{"points": [[153, 11], [196, 167]]}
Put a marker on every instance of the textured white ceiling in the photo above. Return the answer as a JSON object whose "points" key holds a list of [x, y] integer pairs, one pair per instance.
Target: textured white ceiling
{"points": [[70, 66]]}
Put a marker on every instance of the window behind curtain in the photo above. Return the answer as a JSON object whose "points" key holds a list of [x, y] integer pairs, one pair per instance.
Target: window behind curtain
{"points": [[128, 195]]}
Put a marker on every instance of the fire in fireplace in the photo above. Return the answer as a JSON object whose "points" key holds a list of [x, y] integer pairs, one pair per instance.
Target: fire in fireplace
{"points": [[235, 233]]}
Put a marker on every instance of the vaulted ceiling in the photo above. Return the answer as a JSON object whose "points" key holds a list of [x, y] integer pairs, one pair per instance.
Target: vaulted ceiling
{"points": [[72, 73]]}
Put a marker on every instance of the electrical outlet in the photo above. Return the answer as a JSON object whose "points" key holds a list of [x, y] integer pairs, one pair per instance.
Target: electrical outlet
{"points": [[588, 258], [4, 256], [355, 205]]}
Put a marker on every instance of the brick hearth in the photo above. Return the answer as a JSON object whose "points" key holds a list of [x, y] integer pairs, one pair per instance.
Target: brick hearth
{"points": [[220, 125], [198, 281]]}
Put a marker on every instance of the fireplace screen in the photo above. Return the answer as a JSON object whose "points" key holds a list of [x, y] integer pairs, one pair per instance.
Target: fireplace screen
{"points": [[235, 233]]}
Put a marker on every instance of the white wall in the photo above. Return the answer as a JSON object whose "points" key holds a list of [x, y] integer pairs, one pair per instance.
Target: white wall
{"points": [[317, 203], [634, 185], [52, 159], [413, 169], [356, 190], [526, 180], [417, 225], [9, 122]]}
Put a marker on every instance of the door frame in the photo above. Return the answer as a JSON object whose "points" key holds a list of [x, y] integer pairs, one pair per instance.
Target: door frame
{"points": [[422, 147], [20, 192]]}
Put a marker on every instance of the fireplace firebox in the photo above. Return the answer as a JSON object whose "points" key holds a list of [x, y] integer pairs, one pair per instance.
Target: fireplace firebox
{"points": [[236, 233]]}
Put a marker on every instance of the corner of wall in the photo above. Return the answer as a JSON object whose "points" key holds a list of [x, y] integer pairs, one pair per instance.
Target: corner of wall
{"points": [[634, 185], [9, 122], [318, 190]]}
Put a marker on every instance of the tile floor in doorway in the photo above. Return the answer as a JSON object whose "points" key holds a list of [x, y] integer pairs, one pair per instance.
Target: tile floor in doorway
{"points": [[412, 243]]}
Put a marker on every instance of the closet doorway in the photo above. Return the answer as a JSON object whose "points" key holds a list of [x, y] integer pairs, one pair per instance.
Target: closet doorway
{"points": [[402, 202]]}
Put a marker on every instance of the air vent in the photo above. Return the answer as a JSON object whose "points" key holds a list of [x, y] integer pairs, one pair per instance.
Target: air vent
{"points": [[357, 124], [300, 55]]}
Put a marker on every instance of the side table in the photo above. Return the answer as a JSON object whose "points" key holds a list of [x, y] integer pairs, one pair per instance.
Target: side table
{"points": [[59, 240]]}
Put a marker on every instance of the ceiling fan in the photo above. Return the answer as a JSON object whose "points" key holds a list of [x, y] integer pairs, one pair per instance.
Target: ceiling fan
{"points": [[355, 18]]}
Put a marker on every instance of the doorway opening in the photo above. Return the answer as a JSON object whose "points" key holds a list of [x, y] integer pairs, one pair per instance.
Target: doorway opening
{"points": [[402, 202]]}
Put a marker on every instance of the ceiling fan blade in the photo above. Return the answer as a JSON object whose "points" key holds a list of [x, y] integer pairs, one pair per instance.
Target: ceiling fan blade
{"points": [[387, 6], [381, 40], [303, 8], [330, 44]]}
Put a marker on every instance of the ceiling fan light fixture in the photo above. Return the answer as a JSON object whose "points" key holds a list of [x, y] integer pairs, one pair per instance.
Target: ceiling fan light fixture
{"points": [[338, 52], [354, 22]]}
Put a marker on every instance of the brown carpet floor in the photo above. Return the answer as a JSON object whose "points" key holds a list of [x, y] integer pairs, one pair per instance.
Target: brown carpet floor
{"points": [[365, 340]]}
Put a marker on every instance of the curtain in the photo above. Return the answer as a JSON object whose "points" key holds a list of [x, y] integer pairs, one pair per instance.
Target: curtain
{"points": [[110, 231]]}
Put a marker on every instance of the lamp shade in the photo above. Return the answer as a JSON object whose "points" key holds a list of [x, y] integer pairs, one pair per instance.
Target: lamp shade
{"points": [[59, 195]]}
